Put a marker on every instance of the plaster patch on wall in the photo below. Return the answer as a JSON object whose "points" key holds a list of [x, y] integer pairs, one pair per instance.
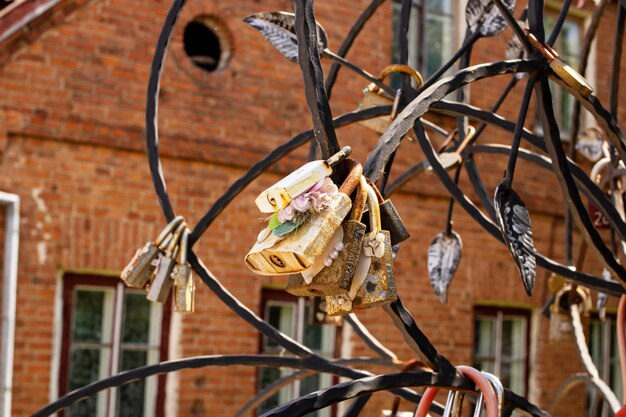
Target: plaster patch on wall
{"points": [[42, 248], [42, 252]]}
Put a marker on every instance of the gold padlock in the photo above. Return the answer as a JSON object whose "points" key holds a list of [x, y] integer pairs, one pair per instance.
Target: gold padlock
{"points": [[140, 268], [300, 248], [332, 272], [162, 281], [375, 96], [373, 282], [568, 74], [184, 283]]}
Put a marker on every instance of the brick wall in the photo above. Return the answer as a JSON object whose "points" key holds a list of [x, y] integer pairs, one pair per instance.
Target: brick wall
{"points": [[72, 146]]}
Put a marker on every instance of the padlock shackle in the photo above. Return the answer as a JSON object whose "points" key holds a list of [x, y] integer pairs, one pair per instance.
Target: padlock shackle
{"points": [[167, 230], [353, 178], [405, 69], [374, 210], [358, 207], [483, 384], [184, 247], [171, 247], [339, 156]]}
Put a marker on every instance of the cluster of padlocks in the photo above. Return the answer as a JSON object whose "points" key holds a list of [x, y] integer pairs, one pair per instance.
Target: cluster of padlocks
{"points": [[332, 241], [162, 264]]}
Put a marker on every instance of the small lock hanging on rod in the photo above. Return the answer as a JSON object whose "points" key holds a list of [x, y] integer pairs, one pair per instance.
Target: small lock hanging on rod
{"points": [[184, 282], [162, 280], [451, 160], [279, 195], [139, 270], [374, 96], [568, 74]]}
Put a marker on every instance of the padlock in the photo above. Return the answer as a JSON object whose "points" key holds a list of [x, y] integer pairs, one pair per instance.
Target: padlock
{"points": [[451, 160], [332, 272], [280, 194], [162, 279], [139, 270], [299, 249], [373, 282], [566, 73], [390, 219], [182, 275], [561, 328], [375, 96]]}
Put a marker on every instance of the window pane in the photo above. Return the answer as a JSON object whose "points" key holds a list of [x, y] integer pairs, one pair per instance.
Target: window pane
{"points": [[438, 41], [267, 376], [513, 376], [281, 316], [89, 317], [131, 397], [439, 6], [484, 337], [136, 318], [615, 378], [512, 338], [87, 365]]}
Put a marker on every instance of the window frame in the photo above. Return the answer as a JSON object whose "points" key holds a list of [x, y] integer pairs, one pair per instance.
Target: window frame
{"points": [[496, 312], [417, 37], [71, 282], [607, 361], [270, 296]]}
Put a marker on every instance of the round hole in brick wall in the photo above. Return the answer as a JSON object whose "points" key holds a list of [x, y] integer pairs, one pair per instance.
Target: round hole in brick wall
{"points": [[207, 43]]}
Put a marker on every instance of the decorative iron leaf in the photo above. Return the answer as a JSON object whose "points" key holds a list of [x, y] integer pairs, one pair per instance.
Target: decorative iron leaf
{"points": [[515, 50], [590, 143], [444, 256], [279, 29], [514, 222], [484, 16]]}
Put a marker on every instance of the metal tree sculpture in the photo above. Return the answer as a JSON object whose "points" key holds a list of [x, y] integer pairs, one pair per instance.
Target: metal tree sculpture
{"points": [[302, 40]]}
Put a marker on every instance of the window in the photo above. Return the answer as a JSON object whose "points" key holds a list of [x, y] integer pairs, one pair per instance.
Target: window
{"points": [[431, 34], [602, 341], [568, 47], [501, 345], [109, 328], [291, 315]]}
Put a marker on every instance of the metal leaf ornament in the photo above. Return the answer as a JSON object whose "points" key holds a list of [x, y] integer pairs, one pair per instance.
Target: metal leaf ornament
{"points": [[279, 29], [514, 222], [444, 256], [483, 16]]}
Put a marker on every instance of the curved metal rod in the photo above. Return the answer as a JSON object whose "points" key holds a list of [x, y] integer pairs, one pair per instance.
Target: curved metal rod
{"points": [[598, 197], [585, 51], [590, 367], [357, 406], [567, 385], [271, 158], [245, 313], [365, 386], [280, 383], [373, 343], [348, 41], [559, 22], [310, 362], [491, 228], [417, 340], [578, 212], [272, 389], [390, 140], [152, 103], [311, 68]]}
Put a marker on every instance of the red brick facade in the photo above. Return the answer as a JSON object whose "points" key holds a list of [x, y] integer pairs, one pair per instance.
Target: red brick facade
{"points": [[72, 105]]}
